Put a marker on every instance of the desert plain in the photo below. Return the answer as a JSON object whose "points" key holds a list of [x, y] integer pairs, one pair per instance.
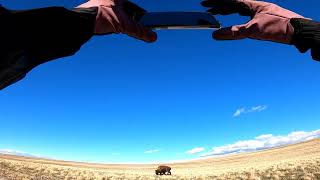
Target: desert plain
{"points": [[299, 161]]}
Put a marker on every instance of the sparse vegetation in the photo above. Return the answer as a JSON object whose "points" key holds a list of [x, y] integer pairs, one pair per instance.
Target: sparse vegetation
{"points": [[301, 161]]}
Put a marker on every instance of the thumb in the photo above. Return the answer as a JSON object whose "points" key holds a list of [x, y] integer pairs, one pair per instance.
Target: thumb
{"points": [[231, 33]]}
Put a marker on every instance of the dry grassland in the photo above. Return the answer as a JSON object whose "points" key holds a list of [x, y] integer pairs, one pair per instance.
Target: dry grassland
{"points": [[300, 161]]}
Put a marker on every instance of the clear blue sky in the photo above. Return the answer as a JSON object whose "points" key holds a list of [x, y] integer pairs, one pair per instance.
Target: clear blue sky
{"points": [[119, 97]]}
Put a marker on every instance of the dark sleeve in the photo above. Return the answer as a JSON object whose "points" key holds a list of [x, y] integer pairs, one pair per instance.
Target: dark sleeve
{"points": [[32, 37], [47, 33], [307, 36]]}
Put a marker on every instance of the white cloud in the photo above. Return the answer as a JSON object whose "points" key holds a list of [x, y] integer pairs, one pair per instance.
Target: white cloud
{"points": [[195, 150], [263, 142], [152, 151], [239, 112], [258, 108], [253, 109]]}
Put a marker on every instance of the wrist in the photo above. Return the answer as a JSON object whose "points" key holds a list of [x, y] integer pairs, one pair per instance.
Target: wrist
{"points": [[306, 35]]}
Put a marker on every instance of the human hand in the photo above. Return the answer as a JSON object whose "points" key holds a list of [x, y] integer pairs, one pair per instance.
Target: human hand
{"points": [[268, 21], [113, 16]]}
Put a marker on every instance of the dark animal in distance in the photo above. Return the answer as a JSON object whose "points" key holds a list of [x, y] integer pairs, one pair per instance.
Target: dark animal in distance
{"points": [[163, 170]]}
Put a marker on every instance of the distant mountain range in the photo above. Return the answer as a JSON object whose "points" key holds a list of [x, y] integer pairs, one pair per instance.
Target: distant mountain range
{"points": [[16, 153]]}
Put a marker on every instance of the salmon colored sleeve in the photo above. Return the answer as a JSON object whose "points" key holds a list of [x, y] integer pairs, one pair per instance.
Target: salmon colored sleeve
{"points": [[112, 17]]}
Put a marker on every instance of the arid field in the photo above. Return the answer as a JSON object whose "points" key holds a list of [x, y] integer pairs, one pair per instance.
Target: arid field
{"points": [[299, 161]]}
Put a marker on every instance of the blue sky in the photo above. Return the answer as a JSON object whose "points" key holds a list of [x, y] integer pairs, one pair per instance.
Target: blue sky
{"points": [[119, 98]]}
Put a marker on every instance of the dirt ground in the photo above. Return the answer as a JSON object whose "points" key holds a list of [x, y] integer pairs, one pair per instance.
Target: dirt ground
{"points": [[299, 161]]}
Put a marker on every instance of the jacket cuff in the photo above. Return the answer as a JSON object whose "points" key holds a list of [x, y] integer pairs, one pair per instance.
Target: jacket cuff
{"points": [[306, 36]]}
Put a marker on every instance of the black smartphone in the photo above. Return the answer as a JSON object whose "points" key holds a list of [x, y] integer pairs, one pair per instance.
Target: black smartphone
{"points": [[179, 20]]}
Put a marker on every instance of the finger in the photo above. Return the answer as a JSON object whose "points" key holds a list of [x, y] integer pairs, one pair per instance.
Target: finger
{"points": [[211, 3], [132, 28], [222, 10], [231, 33], [143, 33], [137, 31], [226, 10], [240, 5], [226, 7]]}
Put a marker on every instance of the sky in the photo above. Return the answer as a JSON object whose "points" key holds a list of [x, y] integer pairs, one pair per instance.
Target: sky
{"points": [[186, 96]]}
